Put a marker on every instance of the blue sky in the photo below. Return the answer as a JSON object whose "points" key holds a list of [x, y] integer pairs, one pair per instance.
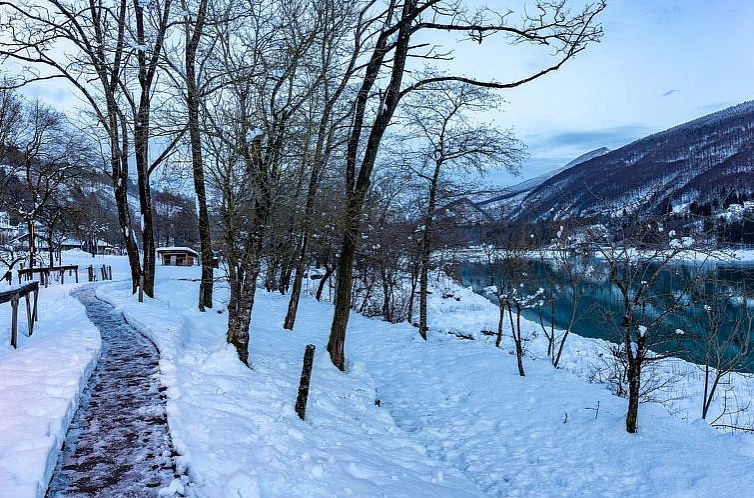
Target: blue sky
{"points": [[660, 63]]}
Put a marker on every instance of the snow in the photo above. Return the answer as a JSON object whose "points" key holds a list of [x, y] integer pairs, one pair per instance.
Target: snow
{"points": [[39, 387], [454, 419], [235, 427]]}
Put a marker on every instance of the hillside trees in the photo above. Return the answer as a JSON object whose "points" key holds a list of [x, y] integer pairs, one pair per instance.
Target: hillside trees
{"points": [[394, 32], [111, 58], [47, 156]]}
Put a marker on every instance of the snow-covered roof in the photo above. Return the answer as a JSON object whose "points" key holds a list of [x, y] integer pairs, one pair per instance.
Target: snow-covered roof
{"points": [[177, 249]]}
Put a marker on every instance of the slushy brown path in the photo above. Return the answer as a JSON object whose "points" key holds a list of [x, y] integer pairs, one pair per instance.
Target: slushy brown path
{"points": [[118, 444]]}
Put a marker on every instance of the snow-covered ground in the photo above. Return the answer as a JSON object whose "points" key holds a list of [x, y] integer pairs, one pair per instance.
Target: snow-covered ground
{"points": [[39, 387], [453, 419], [40, 382]]}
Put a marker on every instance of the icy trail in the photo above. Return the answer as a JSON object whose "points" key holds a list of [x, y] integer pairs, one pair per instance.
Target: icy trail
{"points": [[118, 443]]}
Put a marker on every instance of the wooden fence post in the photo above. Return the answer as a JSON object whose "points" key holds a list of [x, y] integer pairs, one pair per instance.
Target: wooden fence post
{"points": [[36, 299], [29, 317], [306, 376], [141, 288], [14, 322]]}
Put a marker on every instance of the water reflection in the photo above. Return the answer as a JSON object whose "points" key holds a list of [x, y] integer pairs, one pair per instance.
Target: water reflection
{"points": [[711, 295]]}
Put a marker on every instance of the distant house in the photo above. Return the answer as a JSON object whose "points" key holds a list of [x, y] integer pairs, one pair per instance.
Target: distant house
{"points": [[100, 248], [21, 243], [177, 256], [7, 231]]}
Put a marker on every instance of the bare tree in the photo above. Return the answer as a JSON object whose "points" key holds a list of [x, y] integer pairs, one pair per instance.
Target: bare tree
{"points": [[48, 156], [566, 266], [261, 51], [720, 331], [451, 147], [111, 58], [393, 33], [339, 19], [637, 261]]}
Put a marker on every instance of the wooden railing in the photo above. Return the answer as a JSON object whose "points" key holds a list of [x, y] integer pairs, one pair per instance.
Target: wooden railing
{"points": [[13, 296], [105, 272], [44, 273]]}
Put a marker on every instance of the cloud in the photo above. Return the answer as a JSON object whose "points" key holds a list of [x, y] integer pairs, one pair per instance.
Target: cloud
{"points": [[710, 108], [669, 93], [586, 140]]}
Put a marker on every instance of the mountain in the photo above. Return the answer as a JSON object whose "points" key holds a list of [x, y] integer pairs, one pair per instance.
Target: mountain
{"points": [[702, 162], [513, 194]]}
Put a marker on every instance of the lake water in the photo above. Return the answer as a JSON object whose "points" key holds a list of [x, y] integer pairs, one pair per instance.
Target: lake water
{"points": [[599, 309]]}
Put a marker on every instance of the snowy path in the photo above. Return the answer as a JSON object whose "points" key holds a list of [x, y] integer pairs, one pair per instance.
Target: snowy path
{"points": [[118, 443]]}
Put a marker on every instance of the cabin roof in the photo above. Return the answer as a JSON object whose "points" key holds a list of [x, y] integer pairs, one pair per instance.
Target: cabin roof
{"points": [[177, 249]]}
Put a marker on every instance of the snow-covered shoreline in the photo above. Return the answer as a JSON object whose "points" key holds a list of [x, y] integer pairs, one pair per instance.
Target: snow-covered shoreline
{"points": [[455, 409], [445, 418]]}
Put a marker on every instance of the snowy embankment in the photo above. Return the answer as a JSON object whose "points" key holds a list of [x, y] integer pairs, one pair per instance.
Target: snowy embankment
{"points": [[235, 427], [454, 418], [41, 381], [40, 384]]}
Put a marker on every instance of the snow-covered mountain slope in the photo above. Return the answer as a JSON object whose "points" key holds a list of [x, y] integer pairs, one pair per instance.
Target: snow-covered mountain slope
{"points": [[696, 161], [511, 196]]}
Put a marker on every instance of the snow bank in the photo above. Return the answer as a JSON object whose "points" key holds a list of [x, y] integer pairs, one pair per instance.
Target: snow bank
{"points": [[551, 433], [235, 428], [454, 418], [40, 383]]}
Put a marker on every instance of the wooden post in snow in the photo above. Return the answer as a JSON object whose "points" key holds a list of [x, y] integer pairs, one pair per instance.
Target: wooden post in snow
{"points": [[303, 386], [29, 317], [14, 322], [141, 288]]}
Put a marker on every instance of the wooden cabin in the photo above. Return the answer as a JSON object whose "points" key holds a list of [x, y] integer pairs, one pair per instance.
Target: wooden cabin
{"points": [[177, 256]]}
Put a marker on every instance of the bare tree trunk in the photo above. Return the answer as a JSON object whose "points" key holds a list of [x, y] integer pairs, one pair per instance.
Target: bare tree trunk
{"points": [[427, 251], [634, 381], [336, 343], [119, 174], [501, 318], [32, 245], [197, 162], [298, 280], [242, 320], [357, 186], [412, 294], [328, 273], [519, 343], [50, 247]]}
